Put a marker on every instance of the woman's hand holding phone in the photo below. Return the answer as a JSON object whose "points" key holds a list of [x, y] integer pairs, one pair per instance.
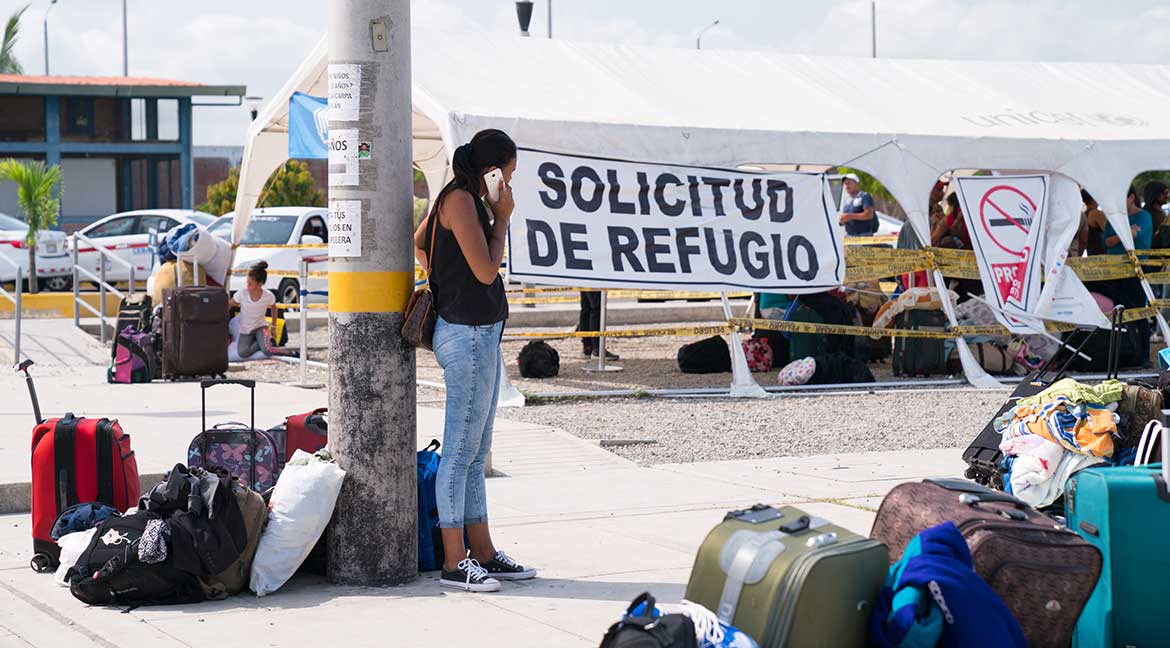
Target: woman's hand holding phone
{"points": [[501, 197]]}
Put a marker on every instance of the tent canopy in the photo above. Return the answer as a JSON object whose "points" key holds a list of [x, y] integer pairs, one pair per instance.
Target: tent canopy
{"points": [[904, 121]]}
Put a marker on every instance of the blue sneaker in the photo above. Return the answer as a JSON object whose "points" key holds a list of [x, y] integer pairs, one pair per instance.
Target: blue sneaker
{"points": [[710, 632]]}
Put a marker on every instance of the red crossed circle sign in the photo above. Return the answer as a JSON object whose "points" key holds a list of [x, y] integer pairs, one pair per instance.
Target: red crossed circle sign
{"points": [[1005, 209]]}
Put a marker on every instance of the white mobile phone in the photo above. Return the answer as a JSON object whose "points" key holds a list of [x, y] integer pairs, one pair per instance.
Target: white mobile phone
{"points": [[492, 180]]}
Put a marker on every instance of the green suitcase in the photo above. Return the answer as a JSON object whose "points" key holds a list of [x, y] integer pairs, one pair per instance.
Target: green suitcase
{"points": [[789, 579]]}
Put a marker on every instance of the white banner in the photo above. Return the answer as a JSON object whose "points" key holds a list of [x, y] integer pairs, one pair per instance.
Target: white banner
{"points": [[608, 223], [1005, 217]]}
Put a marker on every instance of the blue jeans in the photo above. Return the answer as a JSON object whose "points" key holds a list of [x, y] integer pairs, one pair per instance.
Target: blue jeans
{"points": [[470, 358]]}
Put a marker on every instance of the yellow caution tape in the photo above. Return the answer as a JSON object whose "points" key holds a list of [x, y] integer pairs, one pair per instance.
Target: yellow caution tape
{"points": [[885, 239], [285, 273], [285, 246], [838, 329], [625, 333], [297, 307]]}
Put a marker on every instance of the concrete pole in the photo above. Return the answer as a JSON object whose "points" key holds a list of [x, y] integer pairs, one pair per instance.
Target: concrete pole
{"points": [[373, 538]]}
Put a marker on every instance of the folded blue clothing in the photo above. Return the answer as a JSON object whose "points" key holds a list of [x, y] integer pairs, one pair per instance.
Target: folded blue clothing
{"points": [[179, 239], [933, 597]]}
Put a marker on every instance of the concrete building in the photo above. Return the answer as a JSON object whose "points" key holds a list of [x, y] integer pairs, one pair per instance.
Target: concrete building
{"points": [[123, 143]]}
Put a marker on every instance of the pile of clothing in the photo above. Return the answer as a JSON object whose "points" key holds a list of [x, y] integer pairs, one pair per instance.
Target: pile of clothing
{"points": [[1065, 428], [192, 538]]}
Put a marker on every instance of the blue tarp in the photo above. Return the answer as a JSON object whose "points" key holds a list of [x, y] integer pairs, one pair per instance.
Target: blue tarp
{"points": [[308, 127]]}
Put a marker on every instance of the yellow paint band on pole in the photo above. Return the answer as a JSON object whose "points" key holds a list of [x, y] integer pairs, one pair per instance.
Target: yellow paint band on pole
{"points": [[369, 292]]}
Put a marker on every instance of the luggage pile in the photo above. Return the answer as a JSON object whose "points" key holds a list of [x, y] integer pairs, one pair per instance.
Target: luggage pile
{"points": [[1052, 427], [183, 336], [948, 562]]}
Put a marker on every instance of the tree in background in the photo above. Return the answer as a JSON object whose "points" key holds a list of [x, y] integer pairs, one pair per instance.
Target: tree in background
{"points": [[289, 186], [884, 201], [8, 62], [37, 193]]}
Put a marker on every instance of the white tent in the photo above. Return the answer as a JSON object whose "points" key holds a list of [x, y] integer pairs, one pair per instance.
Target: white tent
{"points": [[904, 121]]}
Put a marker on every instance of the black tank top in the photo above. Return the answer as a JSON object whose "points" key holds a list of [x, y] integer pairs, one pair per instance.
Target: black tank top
{"points": [[459, 297]]}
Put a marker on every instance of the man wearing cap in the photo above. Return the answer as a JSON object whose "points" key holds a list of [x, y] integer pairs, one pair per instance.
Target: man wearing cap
{"points": [[857, 214]]}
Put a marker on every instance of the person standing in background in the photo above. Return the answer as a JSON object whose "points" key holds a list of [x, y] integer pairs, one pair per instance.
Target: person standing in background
{"points": [[857, 212], [1154, 195], [589, 319], [1129, 292], [1095, 223]]}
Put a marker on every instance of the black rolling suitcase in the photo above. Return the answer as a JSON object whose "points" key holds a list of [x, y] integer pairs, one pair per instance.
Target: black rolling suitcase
{"points": [[984, 460], [920, 356]]}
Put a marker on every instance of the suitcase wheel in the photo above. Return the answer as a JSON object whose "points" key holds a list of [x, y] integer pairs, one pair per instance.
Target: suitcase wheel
{"points": [[41, 563]]}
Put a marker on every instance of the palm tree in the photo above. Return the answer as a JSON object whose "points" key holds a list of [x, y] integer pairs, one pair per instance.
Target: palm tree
{"points": [[8, 62], [37, 193]]}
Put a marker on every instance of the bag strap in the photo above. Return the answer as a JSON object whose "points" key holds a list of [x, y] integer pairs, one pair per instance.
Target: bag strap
{"points": [[434, 233], [104, 441]]}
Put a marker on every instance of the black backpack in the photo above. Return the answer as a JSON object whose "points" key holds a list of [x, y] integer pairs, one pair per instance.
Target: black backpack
{"points": [[647, 631], [110, 573], [705, 356], [539, 360]]}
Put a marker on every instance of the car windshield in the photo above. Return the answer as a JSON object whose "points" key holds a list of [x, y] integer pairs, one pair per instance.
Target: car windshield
{"points": [[264, 229], [203, 219], [9, 223]]}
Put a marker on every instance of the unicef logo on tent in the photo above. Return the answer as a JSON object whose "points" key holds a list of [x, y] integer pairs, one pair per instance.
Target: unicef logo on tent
{"points": [[321, 120], [1120, 120], [1012, 118]]}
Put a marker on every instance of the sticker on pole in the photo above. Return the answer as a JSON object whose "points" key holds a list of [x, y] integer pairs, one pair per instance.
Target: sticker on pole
{"points": [[1005, 217], [343, 157], [345, 91], [345, 228]]}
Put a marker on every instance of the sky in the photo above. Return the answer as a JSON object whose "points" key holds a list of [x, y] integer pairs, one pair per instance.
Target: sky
{"points": [[258, 43]]}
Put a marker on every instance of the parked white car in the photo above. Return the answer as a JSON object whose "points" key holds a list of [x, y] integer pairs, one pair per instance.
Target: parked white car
{"points": [[54, 269], [280, 226], [128, 236]]}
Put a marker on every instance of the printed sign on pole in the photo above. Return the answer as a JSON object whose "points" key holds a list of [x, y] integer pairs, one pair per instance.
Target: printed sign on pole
{"points": [[584, 221], [1005, 216]]}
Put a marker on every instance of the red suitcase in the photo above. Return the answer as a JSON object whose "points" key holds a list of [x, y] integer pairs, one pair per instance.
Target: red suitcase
{"points": [[308, 432], [75, 460]]}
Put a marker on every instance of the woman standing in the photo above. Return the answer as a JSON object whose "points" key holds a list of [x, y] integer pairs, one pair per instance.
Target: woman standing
{"points": [[461, 245]]}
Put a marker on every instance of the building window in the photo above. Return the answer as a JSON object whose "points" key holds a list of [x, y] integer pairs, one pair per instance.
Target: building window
{"points": [[77, 116], [22, 119]]}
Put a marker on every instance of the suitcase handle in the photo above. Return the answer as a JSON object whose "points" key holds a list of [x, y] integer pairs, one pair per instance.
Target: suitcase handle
{"points": [[208, 384], [974, 500], [1115, 342], [1152, 428], [796, 526]]}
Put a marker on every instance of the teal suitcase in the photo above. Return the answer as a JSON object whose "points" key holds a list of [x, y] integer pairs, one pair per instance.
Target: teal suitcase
{"points": [[1125, 512]]}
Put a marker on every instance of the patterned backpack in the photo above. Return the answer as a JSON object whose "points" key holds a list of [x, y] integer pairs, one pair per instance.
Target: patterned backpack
{"points": [[759, 354]]}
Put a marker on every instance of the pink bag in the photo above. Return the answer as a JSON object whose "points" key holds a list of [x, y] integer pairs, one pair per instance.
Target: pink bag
{"points": [[759, 354]]}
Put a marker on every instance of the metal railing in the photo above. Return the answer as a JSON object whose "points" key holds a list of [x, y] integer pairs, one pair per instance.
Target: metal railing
{"points": [[18, 288], [103, 285]]}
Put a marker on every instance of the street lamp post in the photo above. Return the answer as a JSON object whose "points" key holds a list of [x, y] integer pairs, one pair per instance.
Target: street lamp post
{"points": [[873, 28], [524, 15], [49, 8], [699, 38], [125, 43], [253, 104]]}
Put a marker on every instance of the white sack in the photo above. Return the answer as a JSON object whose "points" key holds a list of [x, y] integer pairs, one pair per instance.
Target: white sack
{"points": [[213, 253], [302, 504], [72, 545]]}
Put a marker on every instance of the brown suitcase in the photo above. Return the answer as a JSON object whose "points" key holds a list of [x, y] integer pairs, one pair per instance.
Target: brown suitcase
{"points": [[1043, 571], [195, 332]]}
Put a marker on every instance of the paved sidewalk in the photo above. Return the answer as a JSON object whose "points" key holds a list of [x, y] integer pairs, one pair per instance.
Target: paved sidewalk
{"points": [[601, 529]]}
